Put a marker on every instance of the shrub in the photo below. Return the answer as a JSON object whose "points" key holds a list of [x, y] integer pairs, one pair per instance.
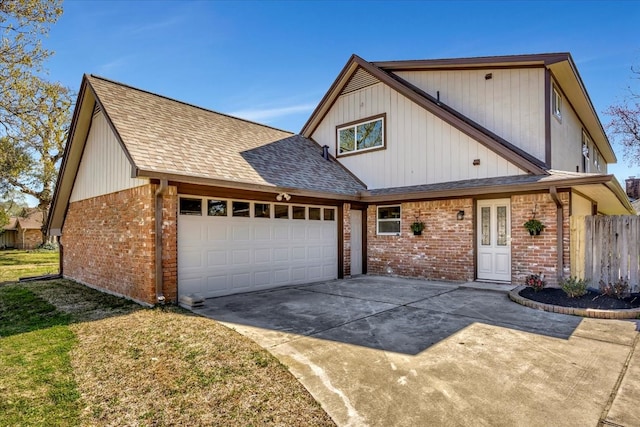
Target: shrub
{"points": [[48, 246], [535, 281], [618, 289], [574, 287]]}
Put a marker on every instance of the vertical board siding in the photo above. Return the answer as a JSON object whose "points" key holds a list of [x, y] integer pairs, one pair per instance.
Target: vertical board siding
{"points": [[420, 147], [104, 167], [510, 104], [606, 248], [8, 239]]}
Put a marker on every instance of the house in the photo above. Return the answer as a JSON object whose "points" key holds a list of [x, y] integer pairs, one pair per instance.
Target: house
{"points": [[23, 232], [157, 199]]}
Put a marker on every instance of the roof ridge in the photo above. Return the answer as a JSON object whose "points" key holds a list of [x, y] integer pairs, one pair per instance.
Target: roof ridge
{"points": [[470, 60], [208, 110]]}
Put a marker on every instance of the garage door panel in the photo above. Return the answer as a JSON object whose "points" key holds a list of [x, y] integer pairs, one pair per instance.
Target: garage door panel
{"points": [[262, 232], [241, 257], [216, 258], [281, 276], [281, 232], [221, 255], [262, 255], [216, 234], [280, 254]]}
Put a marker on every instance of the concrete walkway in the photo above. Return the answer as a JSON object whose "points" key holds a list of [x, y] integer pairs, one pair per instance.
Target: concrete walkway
{"points": [[383, 351]]}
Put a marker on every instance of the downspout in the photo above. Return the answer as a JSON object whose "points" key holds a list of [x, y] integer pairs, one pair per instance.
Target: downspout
{"points": [[158, 213], [559, 231]]}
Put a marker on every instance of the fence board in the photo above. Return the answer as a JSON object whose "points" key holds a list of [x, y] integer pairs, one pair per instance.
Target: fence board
{"points": [[611, 249]]}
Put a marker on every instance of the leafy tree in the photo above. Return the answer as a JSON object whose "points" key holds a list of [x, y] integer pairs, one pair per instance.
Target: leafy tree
{"points": [[23, 23], [32, 149], [625, 122]]}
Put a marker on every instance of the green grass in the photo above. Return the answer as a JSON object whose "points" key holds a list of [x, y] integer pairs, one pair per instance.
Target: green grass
{"points": [[15, 264], [70, 356], [37, 386]]}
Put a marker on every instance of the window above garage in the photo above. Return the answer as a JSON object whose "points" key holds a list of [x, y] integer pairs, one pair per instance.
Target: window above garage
{"points": [[361, 136]]}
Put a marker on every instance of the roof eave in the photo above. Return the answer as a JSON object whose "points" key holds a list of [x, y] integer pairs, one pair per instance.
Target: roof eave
{"points": [[214, 182]]}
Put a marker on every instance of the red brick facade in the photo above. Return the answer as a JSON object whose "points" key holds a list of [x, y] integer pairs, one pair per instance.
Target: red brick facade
{"points": [[538, 254], [346, 238], [28, 239], [444, 251], [109, 243]]}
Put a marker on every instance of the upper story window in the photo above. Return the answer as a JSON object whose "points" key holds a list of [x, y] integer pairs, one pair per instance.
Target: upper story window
{"points": [[556, 103], [356, 137], [389, 220]]}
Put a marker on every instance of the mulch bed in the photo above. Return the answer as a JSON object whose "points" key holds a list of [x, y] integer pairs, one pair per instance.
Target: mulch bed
{"points": [[591, 299]]}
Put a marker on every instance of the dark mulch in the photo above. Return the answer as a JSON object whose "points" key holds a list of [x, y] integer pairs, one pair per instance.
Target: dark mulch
{"points": [[592, 299]]}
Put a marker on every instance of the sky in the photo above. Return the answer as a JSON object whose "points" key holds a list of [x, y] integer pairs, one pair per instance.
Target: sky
{"points": [[272, 62]]}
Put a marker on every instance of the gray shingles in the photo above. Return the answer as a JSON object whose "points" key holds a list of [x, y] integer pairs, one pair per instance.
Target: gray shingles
{"points": [[168, 136]]}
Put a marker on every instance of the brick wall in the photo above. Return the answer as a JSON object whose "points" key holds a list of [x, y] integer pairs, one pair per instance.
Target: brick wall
{"points": [[28, 239], [170, 244], [109, 242], [445, 251], [346, 230], [538, 254]]}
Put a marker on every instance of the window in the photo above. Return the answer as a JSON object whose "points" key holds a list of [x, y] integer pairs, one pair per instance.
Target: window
{"points": [[389, 220], [217, 208], [585, 152], [329, 214], [361, 136], [281, 211], [240, 208], [261, 210], [314, 214], [556, 103], [190, 206], [299, 212]]}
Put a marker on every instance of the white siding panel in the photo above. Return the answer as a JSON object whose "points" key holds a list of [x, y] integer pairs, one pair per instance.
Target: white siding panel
{"points": [[510, 104], [420, 147], [104, 167]]}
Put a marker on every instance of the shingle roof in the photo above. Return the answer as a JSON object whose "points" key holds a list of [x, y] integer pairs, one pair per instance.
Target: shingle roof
{"points": [[471, 186], [33, 221], [162, 135]]}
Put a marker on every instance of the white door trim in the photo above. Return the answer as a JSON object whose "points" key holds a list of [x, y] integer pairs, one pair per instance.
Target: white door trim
{"points": [[493, 242]]}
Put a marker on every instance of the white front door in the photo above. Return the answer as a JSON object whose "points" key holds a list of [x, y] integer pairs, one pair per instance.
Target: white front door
{"points": [[494, 240], [356, 242]]}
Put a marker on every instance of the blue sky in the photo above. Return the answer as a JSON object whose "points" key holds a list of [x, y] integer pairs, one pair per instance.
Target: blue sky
{"points": [[272, 61]]}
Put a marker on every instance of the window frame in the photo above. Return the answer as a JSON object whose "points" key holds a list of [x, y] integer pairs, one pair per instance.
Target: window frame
{"points": [[556, 103], [378, 220], [354, 124]]}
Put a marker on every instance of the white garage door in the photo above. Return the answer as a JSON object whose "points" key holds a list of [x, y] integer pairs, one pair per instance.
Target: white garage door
{"points": [[231, 246]]}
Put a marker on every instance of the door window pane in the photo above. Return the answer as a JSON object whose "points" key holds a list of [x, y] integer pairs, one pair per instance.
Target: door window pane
{"points": [[502, 225], [190, 206], [329, 214], [485, 219], [281, 211], [217, 208], [298, 212], [314, 214], [261, 210], [241, 209]]}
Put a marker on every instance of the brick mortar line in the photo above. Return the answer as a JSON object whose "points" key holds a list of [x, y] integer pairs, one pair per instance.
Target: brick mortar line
{"points": [[616, 387]]}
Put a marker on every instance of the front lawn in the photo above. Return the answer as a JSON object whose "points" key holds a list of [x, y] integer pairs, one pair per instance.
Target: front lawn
{"points": [[15, 264], [70, 355]]}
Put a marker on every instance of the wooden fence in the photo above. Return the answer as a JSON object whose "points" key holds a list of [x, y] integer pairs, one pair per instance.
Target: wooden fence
{"points": [[606, 248]]}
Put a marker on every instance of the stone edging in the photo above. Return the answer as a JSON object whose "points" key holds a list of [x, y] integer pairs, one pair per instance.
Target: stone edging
{"points": [[631, 313]]}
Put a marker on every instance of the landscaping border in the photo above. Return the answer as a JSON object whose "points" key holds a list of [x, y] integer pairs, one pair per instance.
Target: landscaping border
{"points": [[631, 313]]}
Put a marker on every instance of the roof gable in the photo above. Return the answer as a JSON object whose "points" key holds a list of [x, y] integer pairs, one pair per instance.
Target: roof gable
{"points": [[359, 70]]}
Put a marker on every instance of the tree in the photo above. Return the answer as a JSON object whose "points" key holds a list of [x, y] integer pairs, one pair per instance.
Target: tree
{"points": [[23, 23], [625, 123]]}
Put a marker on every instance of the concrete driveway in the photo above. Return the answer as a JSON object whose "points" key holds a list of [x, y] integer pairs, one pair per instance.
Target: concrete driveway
{"points": [[384, 351]]}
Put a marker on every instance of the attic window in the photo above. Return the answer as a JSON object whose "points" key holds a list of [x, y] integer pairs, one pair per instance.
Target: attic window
{"points": [[364, 135], [556, 103]]}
